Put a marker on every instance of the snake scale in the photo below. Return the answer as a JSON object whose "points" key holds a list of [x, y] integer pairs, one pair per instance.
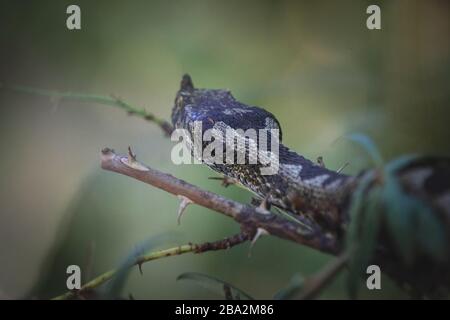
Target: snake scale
{"points": [[300, 187]]}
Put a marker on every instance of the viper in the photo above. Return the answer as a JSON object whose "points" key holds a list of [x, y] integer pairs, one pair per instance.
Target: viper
{"points": [[301, 187]]}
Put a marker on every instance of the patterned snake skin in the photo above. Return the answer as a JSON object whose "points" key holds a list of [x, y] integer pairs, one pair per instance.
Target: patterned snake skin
{"points": [[319, 198], [300, 186]]}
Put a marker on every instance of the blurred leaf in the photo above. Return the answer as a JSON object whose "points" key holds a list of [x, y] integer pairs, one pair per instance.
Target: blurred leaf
{"points": [[431, 235], [353, 235], [368, 145], [356, 205], [399, 212], [364, 232], [412, 224], [401, 162], [370, 227], [113, 289], [216, 285], [294, 286]]}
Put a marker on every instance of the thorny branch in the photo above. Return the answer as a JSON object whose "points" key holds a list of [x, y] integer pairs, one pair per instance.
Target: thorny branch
{"points": [[175, 251], [111, 100], [249, 217], [254, 221]]}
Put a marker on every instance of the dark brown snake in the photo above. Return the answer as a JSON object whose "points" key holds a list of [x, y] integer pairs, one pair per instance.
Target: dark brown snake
{"points": [[301, 187]]}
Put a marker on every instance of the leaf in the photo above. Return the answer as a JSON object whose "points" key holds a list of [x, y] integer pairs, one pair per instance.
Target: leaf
{"points": [[215, 285], [355, 210], [412, 224], [368, 145], [399, 163], [365, 241], [113, 289], [370, 228], [431, 235], [294, 286], [399, 212]]}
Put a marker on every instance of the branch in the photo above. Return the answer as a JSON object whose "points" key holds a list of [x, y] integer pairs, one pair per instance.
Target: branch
{"points": [[254, 221], [250, 218], [175, 251], [112, 100], [108, 275], [314, 284]]}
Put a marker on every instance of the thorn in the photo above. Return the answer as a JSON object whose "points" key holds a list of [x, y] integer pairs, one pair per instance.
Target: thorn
{"points": [[259, 232], [226, 181], [131, 161], [343, 167], [183, 205], [320, 161], [140, 268], [265, 204], [119, 100], [131, 156]]}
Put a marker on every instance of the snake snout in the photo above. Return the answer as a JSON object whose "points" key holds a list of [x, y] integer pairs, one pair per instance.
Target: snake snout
{"points": [[186, 83]]}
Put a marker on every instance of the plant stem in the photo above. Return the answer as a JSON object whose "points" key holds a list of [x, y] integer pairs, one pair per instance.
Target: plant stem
{"points": [[100, 99], [94, 283]]}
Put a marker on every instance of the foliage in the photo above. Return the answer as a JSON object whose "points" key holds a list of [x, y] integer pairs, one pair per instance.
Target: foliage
{"points": [[380, 203], [113, 289], [293, 288], [229, 291]]}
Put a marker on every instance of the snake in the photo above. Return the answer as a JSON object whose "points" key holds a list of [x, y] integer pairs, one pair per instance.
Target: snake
{"points": [[300, 187]]}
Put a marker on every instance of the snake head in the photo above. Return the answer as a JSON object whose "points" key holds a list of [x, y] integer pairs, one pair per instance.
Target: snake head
{"points": [[182, 98], [186, 83], [211, 106]]}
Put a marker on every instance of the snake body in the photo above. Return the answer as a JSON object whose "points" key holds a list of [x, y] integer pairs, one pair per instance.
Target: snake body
{"points": [[300, 187], [320, 198]]}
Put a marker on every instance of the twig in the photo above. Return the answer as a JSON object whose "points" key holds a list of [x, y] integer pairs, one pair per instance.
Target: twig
{"points": [[112, 100], [224, 244], [108, 275], [314, 284], [175, 251], [249, 217]]}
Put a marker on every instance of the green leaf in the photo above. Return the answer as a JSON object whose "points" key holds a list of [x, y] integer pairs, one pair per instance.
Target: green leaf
{"points": [[365, 243], [393, 166], [400, 218], [368, 145], [113, 289], [216, 285], [431, 235], [357, 220], [294, 286], [370, 228], [355, 210], [412, 224]]}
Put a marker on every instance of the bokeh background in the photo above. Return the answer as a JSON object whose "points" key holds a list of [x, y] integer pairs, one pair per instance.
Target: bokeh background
{"points": [[314, 65]]}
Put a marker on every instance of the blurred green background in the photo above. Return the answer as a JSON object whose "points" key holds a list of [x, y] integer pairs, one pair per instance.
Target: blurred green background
{"points": [[314, 65]]}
